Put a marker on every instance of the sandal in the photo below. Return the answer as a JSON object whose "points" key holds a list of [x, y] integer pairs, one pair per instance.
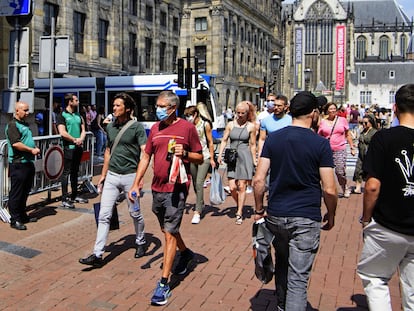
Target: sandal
{"points": [[239, 219]]}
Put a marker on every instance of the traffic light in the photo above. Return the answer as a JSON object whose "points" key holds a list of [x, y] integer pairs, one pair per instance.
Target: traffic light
{"points": [[180, 80], [262, 92]]}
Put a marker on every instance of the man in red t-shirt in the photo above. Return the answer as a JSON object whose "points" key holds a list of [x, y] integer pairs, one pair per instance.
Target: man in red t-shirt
{"points": [[170, 137]]}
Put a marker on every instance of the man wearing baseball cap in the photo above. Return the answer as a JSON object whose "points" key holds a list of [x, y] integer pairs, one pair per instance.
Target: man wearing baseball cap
{"points": [[301, 171]]}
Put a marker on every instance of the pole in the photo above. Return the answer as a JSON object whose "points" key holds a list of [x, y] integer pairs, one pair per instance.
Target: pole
{"points": [[51, 72], [16, 59]]}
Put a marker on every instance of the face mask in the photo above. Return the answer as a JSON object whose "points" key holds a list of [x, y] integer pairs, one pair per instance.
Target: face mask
{"points": [[162, 113], [270, 104], [190, 119]]}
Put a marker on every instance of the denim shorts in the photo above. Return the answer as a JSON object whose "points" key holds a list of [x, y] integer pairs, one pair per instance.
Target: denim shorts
{"points": [[169, 209]]}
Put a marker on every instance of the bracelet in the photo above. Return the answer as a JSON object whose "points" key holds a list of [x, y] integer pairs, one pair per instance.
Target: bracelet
{"points": [[260, 212], [364, 223]]}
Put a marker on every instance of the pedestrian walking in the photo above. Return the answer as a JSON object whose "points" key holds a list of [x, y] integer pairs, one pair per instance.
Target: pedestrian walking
{"points": [[388, 214], [21, 155], [171, 141], [301, 171], [126, 140]]}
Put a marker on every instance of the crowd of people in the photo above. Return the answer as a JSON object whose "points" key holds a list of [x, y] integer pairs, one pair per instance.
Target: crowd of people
{"points": [[294, 151]]}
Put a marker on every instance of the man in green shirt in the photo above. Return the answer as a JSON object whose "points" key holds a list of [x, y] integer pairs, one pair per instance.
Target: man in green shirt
{"points": [[21, 152], [118, 174], [71, 127]]}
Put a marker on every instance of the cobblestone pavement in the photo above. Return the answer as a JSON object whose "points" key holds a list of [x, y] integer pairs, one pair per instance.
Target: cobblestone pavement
{"points": [[40, 270]]}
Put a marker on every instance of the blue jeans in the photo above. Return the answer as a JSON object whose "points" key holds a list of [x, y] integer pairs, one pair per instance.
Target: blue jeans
{"points": [[296, 243], [100, 142], [114, 184]]}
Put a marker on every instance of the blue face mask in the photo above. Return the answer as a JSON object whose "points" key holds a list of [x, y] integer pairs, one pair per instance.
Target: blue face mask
{"points": [[270, 104], [162, 113]]}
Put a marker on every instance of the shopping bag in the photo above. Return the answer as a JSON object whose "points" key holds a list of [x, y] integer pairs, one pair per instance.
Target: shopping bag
{"points": [[217, 193], [263, 261], [114, 224]]}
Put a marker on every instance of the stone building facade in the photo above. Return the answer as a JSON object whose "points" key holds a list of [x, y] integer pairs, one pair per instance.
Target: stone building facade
{"points": [[234, 40], [355, 52]]}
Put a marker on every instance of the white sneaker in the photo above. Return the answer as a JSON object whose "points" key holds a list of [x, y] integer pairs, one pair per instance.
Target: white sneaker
{"points": [[227, 189], [249, 189], [196, 219], [347, 193]]}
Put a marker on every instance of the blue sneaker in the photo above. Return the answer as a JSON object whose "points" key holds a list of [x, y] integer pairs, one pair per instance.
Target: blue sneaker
{"points": [[161, 294]]}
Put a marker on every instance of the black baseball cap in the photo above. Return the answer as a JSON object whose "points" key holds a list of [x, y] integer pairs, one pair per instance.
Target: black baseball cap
{"points": [[303, 103]]}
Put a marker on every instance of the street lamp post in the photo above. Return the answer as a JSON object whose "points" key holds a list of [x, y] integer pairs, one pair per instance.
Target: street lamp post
{"points": [[308, 75], [274, 65]]}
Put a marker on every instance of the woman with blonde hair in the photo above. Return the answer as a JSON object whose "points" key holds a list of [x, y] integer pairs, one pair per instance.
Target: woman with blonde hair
{"points": [[242, 134], [199, 116]]}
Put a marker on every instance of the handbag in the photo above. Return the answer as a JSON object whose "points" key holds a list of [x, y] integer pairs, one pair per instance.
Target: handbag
{"points": [[217, 193], [230, 156], [114, 223], [264, 268]]}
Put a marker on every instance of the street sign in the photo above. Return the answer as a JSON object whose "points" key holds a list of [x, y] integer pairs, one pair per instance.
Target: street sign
{"points": [[22, 79], [10, 98], [60, 51], [21, 37], [14, 7]]}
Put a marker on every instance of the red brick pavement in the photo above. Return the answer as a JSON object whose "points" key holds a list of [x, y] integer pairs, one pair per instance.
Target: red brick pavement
{"points": [[222, 277]]}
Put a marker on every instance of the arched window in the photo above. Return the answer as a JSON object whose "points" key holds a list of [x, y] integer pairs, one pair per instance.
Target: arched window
{"points": [[403, 45], [383, 47], [361, 48]]}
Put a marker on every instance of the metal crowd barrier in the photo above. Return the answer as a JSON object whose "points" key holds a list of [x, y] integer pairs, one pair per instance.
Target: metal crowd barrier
{"points": [[48, 167]]}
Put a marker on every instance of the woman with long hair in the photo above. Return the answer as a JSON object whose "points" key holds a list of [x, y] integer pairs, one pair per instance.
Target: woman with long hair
{"points": [[369, 126], [336, 130], [199, 116], [242, 134]]}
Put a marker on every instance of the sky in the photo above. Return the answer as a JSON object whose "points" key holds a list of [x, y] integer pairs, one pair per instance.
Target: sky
{"points": [[408, 6]]}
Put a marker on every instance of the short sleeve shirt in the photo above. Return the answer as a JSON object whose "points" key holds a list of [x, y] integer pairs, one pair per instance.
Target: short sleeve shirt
{"points": [[390, 159], [125, 157], [183, 132], [19, 131], [72, 122], [338, 137], [296, 154], [272, 123]]}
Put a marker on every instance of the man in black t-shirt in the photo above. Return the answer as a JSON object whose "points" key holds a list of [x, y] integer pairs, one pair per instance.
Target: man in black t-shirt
{"points": [[388, 213], [301, 166]]}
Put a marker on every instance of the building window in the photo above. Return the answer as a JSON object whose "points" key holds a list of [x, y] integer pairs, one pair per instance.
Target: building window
{"points": [[175, 24], [163, 19], [174, 54], [403, 45], [391, 74], [148, 13], [361, 48], [365, 97], [391, 97], [79, 30], [133, 49], [226, 26], [363, 74], [133, 7], [201, 24], [242, 35], [200, 53], [50, 10], [103, 37], [326, 36], [162, 56], [148, 47], [311, 35], [234, 28], [383, 47]]}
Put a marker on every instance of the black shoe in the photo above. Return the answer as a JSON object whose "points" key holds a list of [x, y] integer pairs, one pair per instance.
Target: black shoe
{"points": [[18, 225], [185, 259], [92, 260], [29, 219], [80, 200], [68, 204], [140, 252]]}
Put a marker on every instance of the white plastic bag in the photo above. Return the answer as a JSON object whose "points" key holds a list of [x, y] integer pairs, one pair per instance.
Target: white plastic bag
{"points": [[217, 193]]}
